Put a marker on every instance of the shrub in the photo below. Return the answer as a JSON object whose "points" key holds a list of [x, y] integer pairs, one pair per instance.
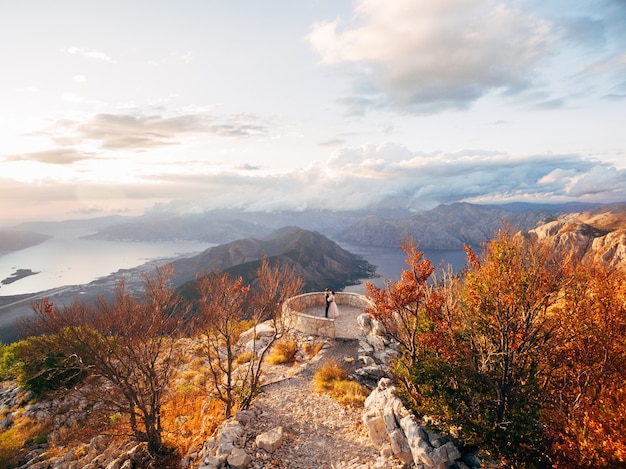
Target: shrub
{"points": [[312, 349], [283, 352], [39, 366], [12, 440], [244, 357], [332, 379]]}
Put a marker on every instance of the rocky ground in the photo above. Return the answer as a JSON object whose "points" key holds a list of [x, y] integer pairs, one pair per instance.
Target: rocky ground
{"points": [[317, 431]]}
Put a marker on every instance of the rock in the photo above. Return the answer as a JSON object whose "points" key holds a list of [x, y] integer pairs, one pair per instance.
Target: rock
{"points": [[229, 433], [270, 440], [239, 459], [210, 462], [389, 422], [375, 428], [365, 323]]}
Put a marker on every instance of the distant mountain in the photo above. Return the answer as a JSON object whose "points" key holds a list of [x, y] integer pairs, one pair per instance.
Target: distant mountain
{"points": [[181, 227], [566, 207], [599, 234], [78, 225], [444, 227], [222, 226], [320, 261], [14, 240]]}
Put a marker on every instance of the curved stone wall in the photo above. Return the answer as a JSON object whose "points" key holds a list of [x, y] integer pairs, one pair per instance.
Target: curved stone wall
{"points": [[296, 306]]}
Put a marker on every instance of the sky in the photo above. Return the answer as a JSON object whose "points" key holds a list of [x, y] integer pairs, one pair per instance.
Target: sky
{"points": [[125, 107]]}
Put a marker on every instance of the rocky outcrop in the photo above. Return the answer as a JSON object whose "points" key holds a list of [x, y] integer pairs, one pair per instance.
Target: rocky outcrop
{"points": [[397, 432], [598, 235]]}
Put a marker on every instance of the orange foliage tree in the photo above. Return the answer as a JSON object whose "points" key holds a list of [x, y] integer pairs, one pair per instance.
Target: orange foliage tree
{"points": [[507, 329], [474, 346], [408, 311], [223, 304], [586, 415], [126, 345]]}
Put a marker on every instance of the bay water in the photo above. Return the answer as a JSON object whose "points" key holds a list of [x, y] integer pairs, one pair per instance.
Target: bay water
{"points": [[66, 259]]}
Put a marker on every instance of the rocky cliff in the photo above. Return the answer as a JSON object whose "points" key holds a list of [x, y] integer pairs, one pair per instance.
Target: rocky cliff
{"points": [[598, 234]]}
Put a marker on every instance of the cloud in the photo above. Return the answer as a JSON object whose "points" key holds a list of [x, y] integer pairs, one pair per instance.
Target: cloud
{"points": [[387, 176], [391, 176], [90, 54], [585, 31], [427, 56], [60, 156], [138, 131]]}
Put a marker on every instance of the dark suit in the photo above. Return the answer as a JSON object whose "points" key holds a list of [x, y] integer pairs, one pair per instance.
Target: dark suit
{"points": [[327, 304]]}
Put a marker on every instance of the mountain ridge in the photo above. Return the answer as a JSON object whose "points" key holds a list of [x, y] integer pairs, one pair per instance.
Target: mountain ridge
{"points": [[320, 261], [598, 234]]}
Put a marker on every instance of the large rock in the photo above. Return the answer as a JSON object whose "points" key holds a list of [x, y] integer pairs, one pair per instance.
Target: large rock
{"points": [[270, 440], [391, 424], [239, 459]]}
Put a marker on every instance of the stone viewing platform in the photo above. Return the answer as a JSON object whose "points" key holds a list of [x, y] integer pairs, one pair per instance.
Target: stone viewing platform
{"points": [[307, 312]]}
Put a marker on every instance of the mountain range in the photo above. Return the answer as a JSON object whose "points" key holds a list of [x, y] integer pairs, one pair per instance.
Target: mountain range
{"points": [[594, 232], [443, 227]]}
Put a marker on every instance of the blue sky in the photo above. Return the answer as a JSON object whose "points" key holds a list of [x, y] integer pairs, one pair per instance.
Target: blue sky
{"points": [[121, 107]]}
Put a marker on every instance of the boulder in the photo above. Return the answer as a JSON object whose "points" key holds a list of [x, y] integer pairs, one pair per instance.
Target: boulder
{"points": [[239, 459], [270, 440]]}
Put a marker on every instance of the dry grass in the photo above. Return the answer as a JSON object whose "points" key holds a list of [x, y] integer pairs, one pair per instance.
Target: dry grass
{"points": [[189, 418], [283, 352], [312, 349], [332, 379], [24, 430], [244, 357]]}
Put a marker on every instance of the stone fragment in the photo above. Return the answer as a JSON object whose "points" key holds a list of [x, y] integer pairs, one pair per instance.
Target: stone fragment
{"points": [[375, 427], [239, 459], [270, 440], [400, 446]]}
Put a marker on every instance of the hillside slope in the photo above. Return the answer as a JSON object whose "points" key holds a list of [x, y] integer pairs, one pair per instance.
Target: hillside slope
{"points": [[598, 234], [321, 262]]}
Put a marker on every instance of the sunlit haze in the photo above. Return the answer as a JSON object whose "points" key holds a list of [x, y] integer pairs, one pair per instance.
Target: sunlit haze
{"points": [[120, 107]]}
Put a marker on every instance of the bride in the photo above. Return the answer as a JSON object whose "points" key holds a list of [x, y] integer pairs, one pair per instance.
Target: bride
{"points": [[333, 311]]}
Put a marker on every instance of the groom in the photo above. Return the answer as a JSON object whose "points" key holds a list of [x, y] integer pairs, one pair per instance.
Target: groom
{"points": [[327, 294]]}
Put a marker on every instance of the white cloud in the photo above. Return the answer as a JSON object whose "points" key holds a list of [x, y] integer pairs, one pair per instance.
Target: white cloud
{"points": [[432, 55], [90, 54], [141, 131]]}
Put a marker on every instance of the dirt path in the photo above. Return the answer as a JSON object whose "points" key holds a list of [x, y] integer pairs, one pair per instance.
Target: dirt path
{"points": [[318, 431]]}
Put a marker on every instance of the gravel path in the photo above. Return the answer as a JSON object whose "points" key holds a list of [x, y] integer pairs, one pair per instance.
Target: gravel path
{"points": [[318, 432]]}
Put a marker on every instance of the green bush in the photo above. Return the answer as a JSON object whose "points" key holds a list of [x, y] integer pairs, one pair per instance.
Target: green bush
{"points": [[38, 365]]}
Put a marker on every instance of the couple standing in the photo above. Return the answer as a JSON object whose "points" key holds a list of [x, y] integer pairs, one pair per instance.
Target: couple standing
{"points": [[331, 306]]}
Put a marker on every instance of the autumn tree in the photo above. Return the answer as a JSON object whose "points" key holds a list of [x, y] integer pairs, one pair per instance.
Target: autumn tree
{"points": [[408, 311], [506, 323], [220, 307], [474, 346], [126, 345], [586, 409], [274, 285], [224, 306]]}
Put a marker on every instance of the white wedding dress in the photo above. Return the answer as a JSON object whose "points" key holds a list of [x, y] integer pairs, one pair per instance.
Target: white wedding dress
{"points": [[333, 311]]}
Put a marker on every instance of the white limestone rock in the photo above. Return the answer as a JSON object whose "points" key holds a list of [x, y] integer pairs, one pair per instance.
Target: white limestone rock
{"points": [[270, 440]]}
